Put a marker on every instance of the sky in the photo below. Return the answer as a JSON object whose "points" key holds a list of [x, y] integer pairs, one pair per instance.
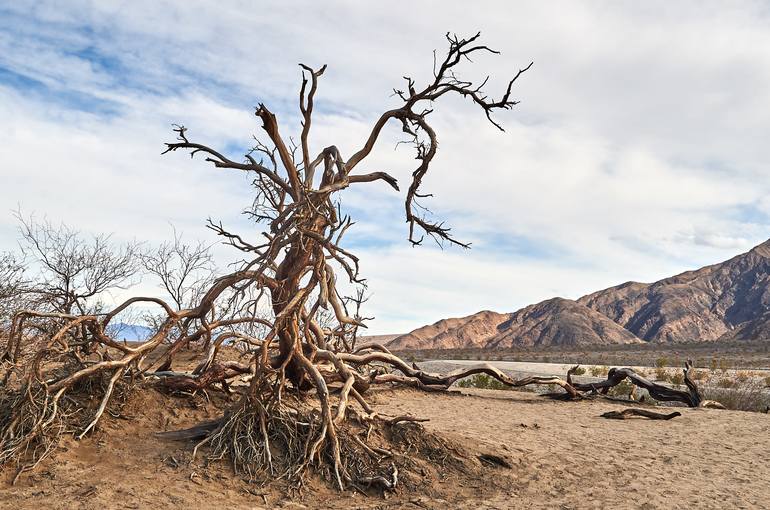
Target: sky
{"points": [[639, 149]]}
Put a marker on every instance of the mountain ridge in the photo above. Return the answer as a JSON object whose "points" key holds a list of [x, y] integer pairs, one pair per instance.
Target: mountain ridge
{"points": [[725, 301]]}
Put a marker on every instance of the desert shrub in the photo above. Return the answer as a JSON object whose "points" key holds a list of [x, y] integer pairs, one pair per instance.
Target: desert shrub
{"points": [[482, 381], [714, 364], [676, 379], [750, 395], [742, 375], [621, 390], [599, 371], [661, 362], [726, 382], [579, 371], [661, 374], [767, 381]]}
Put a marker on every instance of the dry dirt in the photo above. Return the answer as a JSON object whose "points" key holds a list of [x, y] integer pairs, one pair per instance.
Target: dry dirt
{"points": [[563, 454]]}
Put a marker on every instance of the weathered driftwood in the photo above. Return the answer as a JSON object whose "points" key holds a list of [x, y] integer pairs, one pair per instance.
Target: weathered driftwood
{"points": [[644, 413], [615, 376]]}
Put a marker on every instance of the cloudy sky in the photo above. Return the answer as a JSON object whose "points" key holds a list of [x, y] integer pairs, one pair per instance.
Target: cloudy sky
{"points": [[639, 148]]}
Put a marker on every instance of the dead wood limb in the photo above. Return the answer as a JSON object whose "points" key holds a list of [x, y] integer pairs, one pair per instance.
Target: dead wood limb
{"points": [[199, 431], [691, 397], [644, 413], [406, 418]]}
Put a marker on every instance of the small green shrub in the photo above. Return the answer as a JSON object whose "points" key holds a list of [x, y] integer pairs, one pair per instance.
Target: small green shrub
{"points": [[482, 381], [623, 389], [579, 371], [661, 362], [598, 371]]}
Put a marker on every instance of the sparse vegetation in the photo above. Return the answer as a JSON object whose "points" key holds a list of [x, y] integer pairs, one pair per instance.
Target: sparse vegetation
{"points": [[748, 395], [623, 389], [482, 381], [677, 379], [599, 371]]}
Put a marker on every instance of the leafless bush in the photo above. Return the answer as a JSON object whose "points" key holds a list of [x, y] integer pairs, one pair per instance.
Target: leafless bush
{"points": [[74, 269], [13, 287], [184, 271]]}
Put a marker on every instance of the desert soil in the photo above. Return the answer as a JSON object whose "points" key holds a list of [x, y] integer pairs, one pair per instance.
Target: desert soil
{"points": [[564, 455]]}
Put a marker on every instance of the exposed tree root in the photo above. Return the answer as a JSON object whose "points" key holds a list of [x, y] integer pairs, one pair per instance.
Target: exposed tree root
{"points": [[33, 419]]}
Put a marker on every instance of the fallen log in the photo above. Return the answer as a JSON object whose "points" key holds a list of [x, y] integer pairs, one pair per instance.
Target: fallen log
{"points": [[691, 397]]}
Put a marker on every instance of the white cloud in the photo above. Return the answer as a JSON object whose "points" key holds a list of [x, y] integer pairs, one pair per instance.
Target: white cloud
{"points": [[638, 150]]}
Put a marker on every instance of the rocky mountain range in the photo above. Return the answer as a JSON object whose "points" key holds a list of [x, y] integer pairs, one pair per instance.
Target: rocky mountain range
{"points": [[726, 301]]}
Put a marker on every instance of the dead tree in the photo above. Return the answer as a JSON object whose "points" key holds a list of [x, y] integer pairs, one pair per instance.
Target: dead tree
{"points": [[290, 270]]}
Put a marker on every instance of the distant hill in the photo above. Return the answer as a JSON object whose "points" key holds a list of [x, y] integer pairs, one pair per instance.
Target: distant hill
{"points": [[129, 332], [702, 305], [726, 301], [558, 322], [471, 331], [379, 339]]}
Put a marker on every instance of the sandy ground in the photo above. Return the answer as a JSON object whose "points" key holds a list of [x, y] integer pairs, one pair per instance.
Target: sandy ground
{"points": [[569, 457], [563, 454]]}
